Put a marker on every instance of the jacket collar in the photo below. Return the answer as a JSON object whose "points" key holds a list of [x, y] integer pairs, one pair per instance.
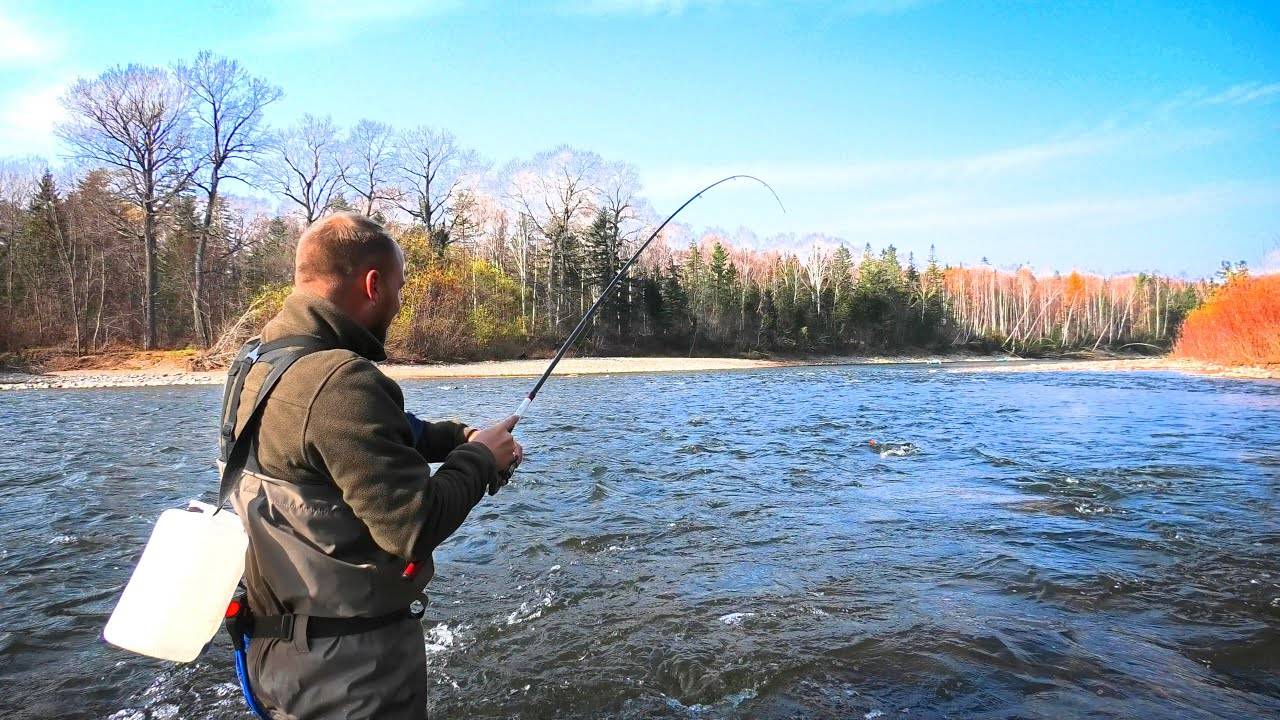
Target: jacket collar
{"points": [[307, 314]]}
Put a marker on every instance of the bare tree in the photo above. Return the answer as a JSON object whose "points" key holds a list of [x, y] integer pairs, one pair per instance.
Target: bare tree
{"points": [[18, 179], [369, 160], [556, 190], [618, 186], [431, 171], [136, 121], [304, 165], [229, 105], [493, 223], [815, 270], [522, 250]]}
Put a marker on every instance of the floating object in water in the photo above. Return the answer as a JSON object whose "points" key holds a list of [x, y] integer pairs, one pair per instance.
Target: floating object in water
{"points": [[177, 597], [893, 449]]}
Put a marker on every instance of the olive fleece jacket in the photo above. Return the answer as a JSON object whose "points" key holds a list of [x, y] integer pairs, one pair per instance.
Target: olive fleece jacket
{"points": [[347, 482]]}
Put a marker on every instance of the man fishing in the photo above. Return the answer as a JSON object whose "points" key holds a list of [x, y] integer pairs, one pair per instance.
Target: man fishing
{"points": [[336, 495]]}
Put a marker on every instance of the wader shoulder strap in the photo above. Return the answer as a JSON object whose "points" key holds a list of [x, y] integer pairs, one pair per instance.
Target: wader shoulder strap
{"points": [[231, 396], [235, 448]]}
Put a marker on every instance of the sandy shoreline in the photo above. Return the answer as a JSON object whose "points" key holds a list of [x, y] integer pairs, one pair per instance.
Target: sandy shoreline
{"points": [[616, 365], [488, 369], [1151, 364]]}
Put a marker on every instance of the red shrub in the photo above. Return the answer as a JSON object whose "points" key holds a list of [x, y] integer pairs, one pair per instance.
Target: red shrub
{"points": [[1238, 325]]}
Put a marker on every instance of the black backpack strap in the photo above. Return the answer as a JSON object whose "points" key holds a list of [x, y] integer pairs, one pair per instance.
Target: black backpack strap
{"points": [[236, 448], [231, 396]]}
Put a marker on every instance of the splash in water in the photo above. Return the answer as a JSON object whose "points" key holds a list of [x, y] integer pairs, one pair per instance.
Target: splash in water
{"points": [[892, 449]]}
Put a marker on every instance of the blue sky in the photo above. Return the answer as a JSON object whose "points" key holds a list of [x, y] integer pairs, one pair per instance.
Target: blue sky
{"points": [[1107, 137]]}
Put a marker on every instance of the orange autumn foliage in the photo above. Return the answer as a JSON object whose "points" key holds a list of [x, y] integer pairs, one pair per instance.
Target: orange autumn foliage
{"points": [[1238, 325], [1075, 287]]}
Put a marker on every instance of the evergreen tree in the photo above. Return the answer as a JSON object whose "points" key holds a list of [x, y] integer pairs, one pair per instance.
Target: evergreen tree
{"points": [[601, 261], [723, 274], [675, 314], [842, 295], [653, 305]]}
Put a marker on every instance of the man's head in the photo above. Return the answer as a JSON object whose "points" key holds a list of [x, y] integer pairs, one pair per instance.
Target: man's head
{"points": [[351, 261]]}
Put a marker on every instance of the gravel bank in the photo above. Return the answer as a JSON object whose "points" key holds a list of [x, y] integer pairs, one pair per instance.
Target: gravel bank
{"points": [[71, 379]]}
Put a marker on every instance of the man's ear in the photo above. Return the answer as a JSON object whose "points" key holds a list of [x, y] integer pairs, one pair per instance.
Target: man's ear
{"points": [[370, 285]]}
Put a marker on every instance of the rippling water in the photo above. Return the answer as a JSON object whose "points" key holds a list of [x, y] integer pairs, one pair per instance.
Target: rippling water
{"points": [[729, 545]]}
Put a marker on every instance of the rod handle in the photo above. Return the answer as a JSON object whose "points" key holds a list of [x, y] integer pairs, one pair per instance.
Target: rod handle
{"points": [[524, 405]]}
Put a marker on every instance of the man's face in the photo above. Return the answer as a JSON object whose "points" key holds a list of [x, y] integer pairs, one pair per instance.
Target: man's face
{"points": [[390, 296]]}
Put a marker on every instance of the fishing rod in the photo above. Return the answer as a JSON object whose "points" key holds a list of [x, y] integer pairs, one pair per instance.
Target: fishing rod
{"points": [[582, 324]]}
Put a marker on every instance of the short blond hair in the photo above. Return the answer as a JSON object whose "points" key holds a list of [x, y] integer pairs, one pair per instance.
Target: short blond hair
{"points": [[336, 247]]}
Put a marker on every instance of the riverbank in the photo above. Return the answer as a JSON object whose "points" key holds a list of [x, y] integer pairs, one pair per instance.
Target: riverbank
{"points": [[1145, 364], [167, 374], [163, 374]]}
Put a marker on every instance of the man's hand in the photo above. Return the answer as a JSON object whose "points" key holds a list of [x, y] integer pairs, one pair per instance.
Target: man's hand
{"points": [[507, 453]]}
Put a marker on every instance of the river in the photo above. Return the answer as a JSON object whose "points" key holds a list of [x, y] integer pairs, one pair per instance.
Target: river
{"points": [[729, 545]]}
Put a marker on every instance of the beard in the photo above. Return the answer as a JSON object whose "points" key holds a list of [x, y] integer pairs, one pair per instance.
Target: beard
{"points": [[382, 324], [380, 330]]}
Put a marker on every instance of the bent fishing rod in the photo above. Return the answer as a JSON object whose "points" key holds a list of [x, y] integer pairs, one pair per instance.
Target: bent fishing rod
{"points": [[582, 324]]}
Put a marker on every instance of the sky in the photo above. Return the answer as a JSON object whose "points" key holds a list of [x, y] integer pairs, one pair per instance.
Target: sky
{"points": [[1105, 137]]}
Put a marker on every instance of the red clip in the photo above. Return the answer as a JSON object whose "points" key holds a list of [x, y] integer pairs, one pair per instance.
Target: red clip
{"points": [[233, 609], [409, 570]]}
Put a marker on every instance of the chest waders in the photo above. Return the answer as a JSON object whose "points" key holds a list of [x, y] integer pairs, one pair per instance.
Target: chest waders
{"points": [[238, 453]]}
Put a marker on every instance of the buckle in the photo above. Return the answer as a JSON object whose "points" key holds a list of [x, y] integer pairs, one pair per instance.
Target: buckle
{"points": [[272, 627], [286, 627], [253, 355]]}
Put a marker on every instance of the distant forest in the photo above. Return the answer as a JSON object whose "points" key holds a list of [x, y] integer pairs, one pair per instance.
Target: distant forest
{"points": [[138, 244]]}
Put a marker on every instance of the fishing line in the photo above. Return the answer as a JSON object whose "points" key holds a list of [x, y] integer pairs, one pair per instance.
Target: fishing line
{"points": [[582, 324]]}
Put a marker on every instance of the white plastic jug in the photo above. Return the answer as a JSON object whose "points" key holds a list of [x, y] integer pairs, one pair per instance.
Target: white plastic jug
{"points": [[179, 592]]}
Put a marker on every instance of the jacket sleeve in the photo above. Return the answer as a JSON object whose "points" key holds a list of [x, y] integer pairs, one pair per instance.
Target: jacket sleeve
{"points": [[435, 440], [357, 432]]}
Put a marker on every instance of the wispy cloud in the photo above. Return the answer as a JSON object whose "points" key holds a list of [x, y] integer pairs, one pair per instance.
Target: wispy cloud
{"points": [[1080, 186], [881, 7], [27, 117], [21, 44], [1244, 93], [634, 7], [843, 176], [1029, 157], [958, 212], [313, 22], [938, 193], [363, 12], [848, 8]]}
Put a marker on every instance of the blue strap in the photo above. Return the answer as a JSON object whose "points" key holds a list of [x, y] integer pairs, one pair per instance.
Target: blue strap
{"points": [[242, 674]]}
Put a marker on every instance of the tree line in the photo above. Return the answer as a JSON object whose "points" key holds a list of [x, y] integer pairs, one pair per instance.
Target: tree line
{"points": [[139, 241]]}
